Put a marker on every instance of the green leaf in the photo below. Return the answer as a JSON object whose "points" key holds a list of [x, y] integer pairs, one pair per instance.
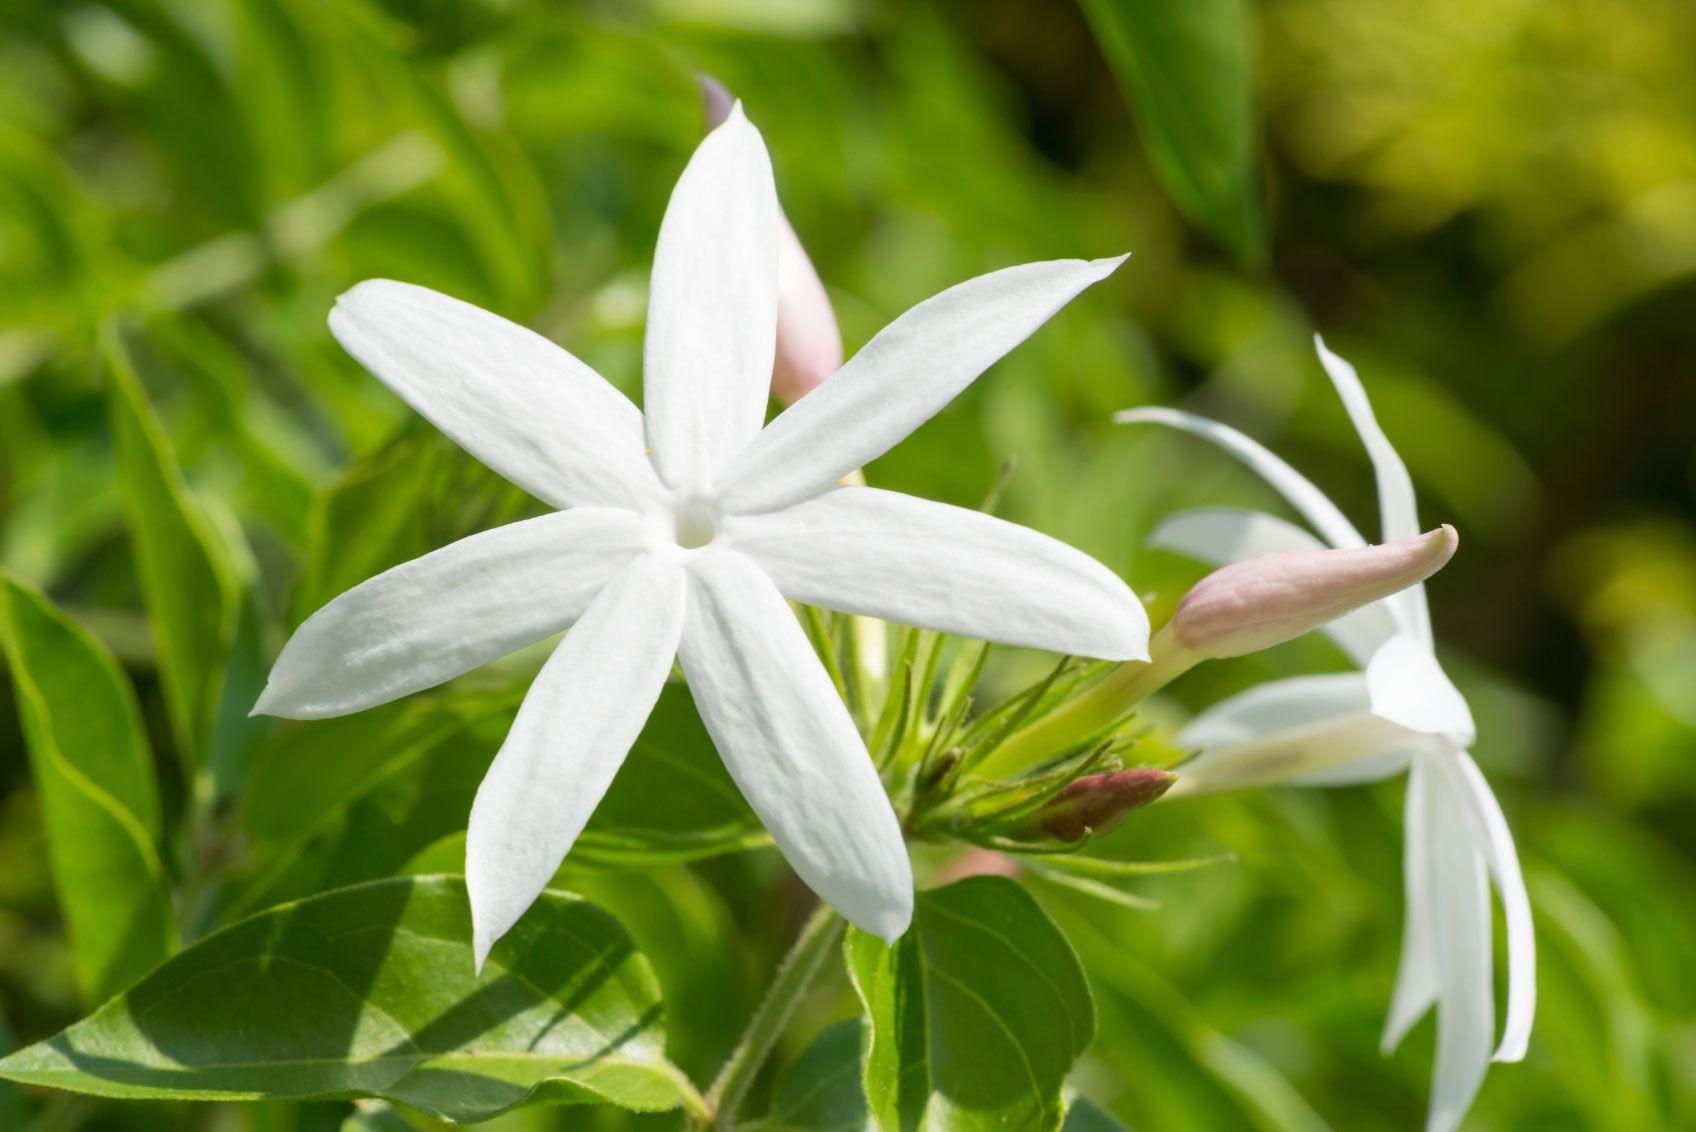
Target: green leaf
{"points": [[378, 813], [192, 586], [375, 1116], [821, 1092], [977, 1013], [370, 992], [1187, 71], [354, 799], [672, 801], [89, 757], [1085, 1115], [11, 1100], [368, 520]]}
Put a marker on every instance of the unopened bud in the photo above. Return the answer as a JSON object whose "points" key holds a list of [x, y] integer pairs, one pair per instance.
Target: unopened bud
{"points": [[1272, 598], [809, 343], [1097, 803]]}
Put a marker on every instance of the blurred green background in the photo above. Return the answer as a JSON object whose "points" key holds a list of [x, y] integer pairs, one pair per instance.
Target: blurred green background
{"points": [[1488, 205]]}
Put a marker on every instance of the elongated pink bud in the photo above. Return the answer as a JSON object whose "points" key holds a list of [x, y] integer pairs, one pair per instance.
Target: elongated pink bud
{"points": [[1097, 803], [809, 343], [1272, 598]]}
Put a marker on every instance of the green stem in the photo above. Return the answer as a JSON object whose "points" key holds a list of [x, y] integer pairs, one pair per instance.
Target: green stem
{"points": [[795, 974], [1094, 713]]}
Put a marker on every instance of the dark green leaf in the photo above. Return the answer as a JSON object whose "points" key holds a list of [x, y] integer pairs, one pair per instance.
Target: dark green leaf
{"points": [[1187, 70], [977, 1013], [375, 1116], [354, 799], [193, 589], [100, 805], [821, 1092], [368, 520], [1085, 1115], [11, 1103], [672, 800], [370, 992]]}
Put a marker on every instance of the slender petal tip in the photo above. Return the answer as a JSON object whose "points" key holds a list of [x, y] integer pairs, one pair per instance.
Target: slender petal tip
{"points": [[716, 101], [1272, 598], [1108, 265]]}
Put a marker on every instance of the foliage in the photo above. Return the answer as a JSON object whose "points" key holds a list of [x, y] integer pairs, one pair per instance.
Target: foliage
{"points": [[1486, 202]]}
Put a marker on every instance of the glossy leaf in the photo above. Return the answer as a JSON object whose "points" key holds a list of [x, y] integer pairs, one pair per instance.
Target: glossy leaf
{"points": [[1085, 1115], [977, 1013], [821, 1092], [1187, 71], [94, 775], [370, 992], [354, 799], [191, 585]]}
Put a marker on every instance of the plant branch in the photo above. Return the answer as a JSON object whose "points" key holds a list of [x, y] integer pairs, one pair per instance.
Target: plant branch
{"points": [[794, 975]]}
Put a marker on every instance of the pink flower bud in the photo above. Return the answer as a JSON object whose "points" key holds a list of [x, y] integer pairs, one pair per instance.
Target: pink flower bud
{"points": [[1272, 598], [809, 344], [1097, 803]]}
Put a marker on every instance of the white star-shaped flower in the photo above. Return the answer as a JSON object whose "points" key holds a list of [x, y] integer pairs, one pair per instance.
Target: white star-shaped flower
{"points": [[680, 534], [1401, 713]]}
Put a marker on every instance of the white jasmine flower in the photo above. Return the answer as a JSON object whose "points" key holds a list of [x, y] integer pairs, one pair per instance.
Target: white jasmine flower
{"points": [[1401, 713], [681, 533]]}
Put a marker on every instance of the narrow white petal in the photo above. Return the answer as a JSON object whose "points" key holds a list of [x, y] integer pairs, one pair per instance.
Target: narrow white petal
{"points": [[1397, 509], [1360, 769], [1516, 905], [1298, 730], [883, 554], [576, 725], [789, 743], [1297, 489], [1220, 536], [1409, 687], [508, 396], [712, 308], [1461, 929], [1416, 978], [1277, 705], [431, 619], [900, 379]]}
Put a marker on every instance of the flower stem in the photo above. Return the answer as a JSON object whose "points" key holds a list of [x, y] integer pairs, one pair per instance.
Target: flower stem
{"points": [[794, 975], [1095, 712]]}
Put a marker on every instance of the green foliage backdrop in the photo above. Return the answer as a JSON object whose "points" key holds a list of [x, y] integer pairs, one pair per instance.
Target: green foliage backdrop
{"points": [[1485, 204]]}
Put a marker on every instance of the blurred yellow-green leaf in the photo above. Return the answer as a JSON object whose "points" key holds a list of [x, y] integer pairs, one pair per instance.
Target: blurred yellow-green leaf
{"points": [[93, 772]]}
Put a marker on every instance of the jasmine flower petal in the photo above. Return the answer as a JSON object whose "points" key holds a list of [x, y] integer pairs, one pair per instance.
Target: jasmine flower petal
{"points": [[1460, 913], [1409, 687], [517, 402], [883, 554], [573, 730], [436, 617], [1308, 500], [1398, 513], [1416, 975], [1516, 907], [900, 379], [1309, 730], [712, 308], [788, 741]]}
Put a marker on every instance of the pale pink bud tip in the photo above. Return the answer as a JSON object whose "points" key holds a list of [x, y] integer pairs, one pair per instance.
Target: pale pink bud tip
{"points": [[716, 101], [1097, 803], [809, 343], [1267, 600]]}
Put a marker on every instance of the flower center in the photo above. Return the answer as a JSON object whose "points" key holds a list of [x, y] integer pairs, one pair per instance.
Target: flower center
{"points": [[694, 522]]}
